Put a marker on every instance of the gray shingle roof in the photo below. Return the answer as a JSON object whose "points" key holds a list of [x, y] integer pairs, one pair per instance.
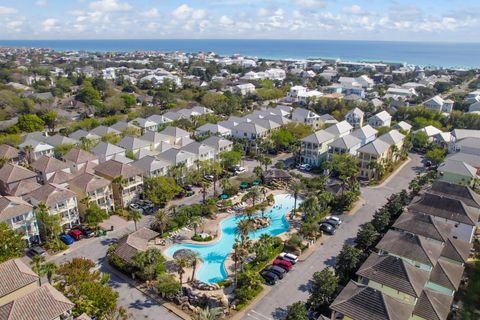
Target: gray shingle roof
{"points": [[106, 149], [319, 137], [48, 164], [339, 128], [88, 182], [422, 224], [345, 142], [395, 273], [458, 167], [14, 275], [376, 147], [132, 143], [456, 250], [45, 303], [51, 194], [364, 132], [114, 169], [455, 191], [392, 137], [433, 305], [137, 241], [8, 151], [445, 207], [360, 302], [11, 172], [79, 156], [447, 274], [410, 246]]}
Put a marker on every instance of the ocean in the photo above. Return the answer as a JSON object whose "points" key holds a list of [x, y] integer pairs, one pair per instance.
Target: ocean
{"points": [[447, 55]]}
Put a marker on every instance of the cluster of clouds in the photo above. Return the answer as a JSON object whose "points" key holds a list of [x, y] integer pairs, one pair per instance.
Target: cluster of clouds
{"points": [[303, 19]]}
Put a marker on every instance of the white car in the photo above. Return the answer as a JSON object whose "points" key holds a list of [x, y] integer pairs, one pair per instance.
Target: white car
{"points": [[334, 218], [289, 257], [239, 170]]}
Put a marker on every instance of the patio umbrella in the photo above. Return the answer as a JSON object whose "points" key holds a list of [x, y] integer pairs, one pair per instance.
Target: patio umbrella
{"points": [[224, 196]]}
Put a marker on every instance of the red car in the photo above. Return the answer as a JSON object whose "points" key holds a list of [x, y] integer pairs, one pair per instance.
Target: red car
{"points": [[283, 264], [75, 234]]}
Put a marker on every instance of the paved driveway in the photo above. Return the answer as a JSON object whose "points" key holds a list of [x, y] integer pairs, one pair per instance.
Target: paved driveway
{"points": [[294, 287], [138, 305]]}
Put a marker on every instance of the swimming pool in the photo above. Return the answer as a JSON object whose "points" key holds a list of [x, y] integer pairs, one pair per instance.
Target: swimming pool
{"points": [[213, 255]]}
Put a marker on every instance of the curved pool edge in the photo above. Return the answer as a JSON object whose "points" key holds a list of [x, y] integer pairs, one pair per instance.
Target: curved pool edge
{"points": [[225, 272]]}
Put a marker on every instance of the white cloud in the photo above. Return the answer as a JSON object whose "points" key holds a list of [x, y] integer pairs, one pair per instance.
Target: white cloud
{"points": [[353, 9], [225, 21], [182, 12], [310, 3], [151, 13], [185, 12], [15, 26], [7, 10], [109, 6], [41, 3], [50, 24], [262, 12]]}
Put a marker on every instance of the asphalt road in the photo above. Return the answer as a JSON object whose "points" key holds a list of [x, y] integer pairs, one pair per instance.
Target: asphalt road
{"points": [[138, 305], [294, 287]]}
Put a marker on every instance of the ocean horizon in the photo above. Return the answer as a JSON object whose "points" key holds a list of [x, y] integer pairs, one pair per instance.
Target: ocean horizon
{"points": [[426, 54]]}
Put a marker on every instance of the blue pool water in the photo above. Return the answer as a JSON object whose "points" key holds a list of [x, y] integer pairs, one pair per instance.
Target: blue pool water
{"points": [[214, 255]]}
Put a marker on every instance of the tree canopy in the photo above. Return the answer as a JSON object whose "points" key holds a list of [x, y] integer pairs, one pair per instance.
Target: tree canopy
{"points": [[12, 243]]}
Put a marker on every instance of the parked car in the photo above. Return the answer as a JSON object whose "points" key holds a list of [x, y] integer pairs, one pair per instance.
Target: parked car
{"points": [[86, 231], [332, 222], [327, 228], [239, 169], [334, 218], [135, 206], [209, 177], [270, 277], [67, 239], [287, 265], [36, 251], [288, 257], [280, 272], [75, 234]]}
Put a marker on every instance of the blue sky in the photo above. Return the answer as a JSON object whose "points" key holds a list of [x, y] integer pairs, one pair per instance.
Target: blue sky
{"points": [[392, 20]]}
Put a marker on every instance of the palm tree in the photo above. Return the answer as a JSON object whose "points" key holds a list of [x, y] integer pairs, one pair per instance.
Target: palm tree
{"points": [[28, 153], [3, 161], [236, 258], [378, 168], [243, 229], [160, 220], [295, 188], [181, 263], [265, 161], [209, 314], [37, 266], [196, 222], [310, 206], [258, 170], [49, 269], [253, 193], [136, 216], [194, 258], [263, 208]]}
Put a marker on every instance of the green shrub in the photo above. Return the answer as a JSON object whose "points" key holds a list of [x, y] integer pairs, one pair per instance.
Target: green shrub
{"points": [[167, 286], [199, 238], [225, 283]]}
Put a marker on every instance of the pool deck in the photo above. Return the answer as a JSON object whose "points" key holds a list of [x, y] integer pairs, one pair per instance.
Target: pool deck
{"points": [[212, 226]]}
